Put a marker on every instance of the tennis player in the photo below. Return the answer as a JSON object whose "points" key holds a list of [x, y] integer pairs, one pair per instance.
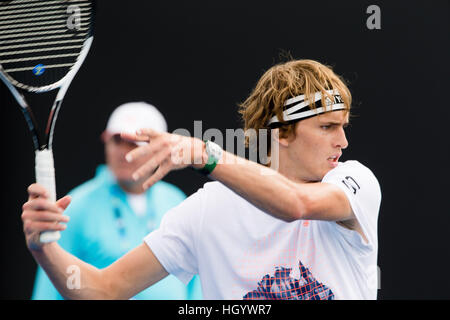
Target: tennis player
{"points": [[306, 231]]}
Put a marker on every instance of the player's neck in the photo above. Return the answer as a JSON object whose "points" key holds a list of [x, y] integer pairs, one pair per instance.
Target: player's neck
{"points": [[291, 169], [292, 173]]}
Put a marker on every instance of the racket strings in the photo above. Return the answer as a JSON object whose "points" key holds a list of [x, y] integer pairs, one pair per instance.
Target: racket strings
{"points": [[27, 6], [28, 29], [25, 45], [30, 19], [7, 53], [18, 33], [41, 40], [37, 13]]}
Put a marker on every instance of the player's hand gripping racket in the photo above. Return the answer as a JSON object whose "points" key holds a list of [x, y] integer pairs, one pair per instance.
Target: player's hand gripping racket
{"points": [[42, 45]]}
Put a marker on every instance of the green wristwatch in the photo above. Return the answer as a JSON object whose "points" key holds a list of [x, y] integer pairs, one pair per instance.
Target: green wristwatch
{"points": [[214, 152]]}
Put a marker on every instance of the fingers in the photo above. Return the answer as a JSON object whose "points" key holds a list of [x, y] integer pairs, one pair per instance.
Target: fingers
{"points": [[40, 214], [44, 216], [141, 135], [134, 137], [150, 133], [35, 221], [150, 166], [42, 204], [160, 173], [37, 191], [164, 153], [147, 151], [64, 202], [30, 226]]}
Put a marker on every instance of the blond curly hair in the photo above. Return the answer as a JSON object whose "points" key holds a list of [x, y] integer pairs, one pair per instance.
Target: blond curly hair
{"points": [[284, 81]]}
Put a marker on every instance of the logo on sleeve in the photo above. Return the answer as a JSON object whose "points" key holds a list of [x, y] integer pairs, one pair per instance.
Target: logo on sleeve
{"points": [[351, 184]]}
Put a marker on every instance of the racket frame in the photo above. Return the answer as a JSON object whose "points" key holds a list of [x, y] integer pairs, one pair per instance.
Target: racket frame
{"points": [[44, 160]]}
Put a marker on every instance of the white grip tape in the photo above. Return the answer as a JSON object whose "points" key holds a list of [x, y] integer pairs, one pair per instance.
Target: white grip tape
{"points": [[45, 176]]}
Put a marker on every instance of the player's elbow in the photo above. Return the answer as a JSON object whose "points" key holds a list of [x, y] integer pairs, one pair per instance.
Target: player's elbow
{"points": [[94, 285], [298, 207], [107, 286]]}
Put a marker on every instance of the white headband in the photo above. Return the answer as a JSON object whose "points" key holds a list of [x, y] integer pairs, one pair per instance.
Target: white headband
{"points": [[298, 108]]}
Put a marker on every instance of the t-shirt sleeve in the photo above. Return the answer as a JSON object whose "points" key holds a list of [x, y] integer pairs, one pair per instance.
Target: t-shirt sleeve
{"points": [[363, 192], [174, 243]]}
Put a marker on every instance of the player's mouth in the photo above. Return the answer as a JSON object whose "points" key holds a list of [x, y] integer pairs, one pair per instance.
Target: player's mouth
{"points": [[334, 160]]}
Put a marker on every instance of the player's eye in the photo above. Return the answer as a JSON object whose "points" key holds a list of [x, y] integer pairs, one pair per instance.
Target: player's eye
{"points": [[325, 127]]}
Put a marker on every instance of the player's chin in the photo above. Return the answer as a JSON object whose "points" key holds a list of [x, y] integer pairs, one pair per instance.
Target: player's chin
{"points": [[325, 169]]}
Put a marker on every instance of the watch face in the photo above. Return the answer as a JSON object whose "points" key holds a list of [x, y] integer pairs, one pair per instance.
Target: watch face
{"points": [[213, 150]]}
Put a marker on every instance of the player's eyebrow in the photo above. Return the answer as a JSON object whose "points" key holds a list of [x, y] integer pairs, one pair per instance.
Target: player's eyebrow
{"points": [[337, 123]]}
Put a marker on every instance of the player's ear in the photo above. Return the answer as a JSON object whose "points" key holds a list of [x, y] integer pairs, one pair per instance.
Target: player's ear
{"points": [[280, 138]]}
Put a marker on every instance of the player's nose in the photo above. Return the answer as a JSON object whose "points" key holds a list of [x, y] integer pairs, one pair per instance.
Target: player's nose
{"points": [[341, 139]]}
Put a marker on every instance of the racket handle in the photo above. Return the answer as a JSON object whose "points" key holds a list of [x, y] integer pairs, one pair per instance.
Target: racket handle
{"points": [[45, 176]]}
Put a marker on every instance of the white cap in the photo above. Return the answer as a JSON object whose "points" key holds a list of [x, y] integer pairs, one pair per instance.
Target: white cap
{"points": [[132, 116]]}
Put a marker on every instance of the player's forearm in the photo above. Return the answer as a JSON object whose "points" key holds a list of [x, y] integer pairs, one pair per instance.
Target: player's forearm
{"points": [[73, 278], [262, 186]]}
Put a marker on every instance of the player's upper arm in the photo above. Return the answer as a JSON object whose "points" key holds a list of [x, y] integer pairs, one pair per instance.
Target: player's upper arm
{"points": [[349, 194], [134, 272], [324, 201], [350, 191]]}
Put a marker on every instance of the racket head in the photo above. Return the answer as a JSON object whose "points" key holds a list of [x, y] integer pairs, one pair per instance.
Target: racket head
{"points": [[44, 42]]}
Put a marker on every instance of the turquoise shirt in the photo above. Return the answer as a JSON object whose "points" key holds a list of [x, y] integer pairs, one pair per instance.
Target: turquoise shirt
{"points": [[103, 227]]}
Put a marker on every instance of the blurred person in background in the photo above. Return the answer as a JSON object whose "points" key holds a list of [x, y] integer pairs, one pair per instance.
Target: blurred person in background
{"points": [[111, 213]]}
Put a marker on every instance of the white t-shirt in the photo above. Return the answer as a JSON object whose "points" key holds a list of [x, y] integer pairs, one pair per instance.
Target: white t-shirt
{"points": [[241, 252]]}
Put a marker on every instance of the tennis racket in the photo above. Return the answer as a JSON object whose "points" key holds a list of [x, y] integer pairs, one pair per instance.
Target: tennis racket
{"points": [[42, 45]]}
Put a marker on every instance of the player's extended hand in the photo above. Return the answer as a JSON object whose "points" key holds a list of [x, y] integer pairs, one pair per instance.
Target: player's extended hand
{"points": [[165, 152], [40, 214]]}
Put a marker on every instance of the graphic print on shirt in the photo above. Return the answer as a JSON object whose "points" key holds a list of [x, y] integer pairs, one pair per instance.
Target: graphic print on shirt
{"points": [[284, 287]]}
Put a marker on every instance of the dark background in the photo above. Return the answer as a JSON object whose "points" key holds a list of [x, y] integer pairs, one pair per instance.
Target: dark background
{"points": [[196, 60]]}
